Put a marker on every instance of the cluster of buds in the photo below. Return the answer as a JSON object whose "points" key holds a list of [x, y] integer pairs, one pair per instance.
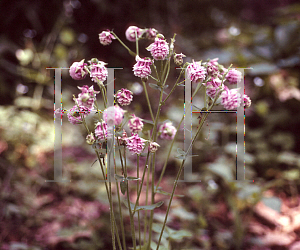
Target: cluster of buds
{"points": [[105, 37], [78, 70], [113, 115], [167, 131], [87, 97]]}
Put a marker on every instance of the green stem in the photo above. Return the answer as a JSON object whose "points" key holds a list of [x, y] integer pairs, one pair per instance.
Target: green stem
{"points": [[148, 101], [137, 200], [120, 41]]}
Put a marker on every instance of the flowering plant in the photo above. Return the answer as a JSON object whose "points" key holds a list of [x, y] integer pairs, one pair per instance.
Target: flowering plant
{"points": [[110, 128]]}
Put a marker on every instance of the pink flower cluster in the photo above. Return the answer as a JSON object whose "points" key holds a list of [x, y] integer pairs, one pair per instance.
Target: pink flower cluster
{"points": [[234, 76], [142, 67], [101, 131], [87, 97], [98, 71], [167, 131], [212, 86], [113, 115], [132, 30], [135, 144], [135, 124], [230, 99], [106, 37], [196, 72], [212, 67], [75, 113], [124, 97], [159, 49], [77, 70]]}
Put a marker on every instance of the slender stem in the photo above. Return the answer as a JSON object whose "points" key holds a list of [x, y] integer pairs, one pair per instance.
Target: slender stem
{"points": [[152, 201], [173, 86], [136, 43], [146, 202], [120, 211], [148, 101], [120, 41], [176, 180], [141, 186], [137, 200]]}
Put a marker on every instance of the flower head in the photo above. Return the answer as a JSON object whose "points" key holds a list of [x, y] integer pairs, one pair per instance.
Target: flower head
{"points": [[124, 97], [101, 131], [135, 124], [153, 146], [98, 71], [142, 67], [212, 86], [212, 67], [122, 139], [196, 72], [135, 144], [113, 115], [230, 99], [167, 131], [159, 49], [130, 33], [90, 139], [234, 76], [77, 70], [247, 101], [106, 37], [87, 96], [151, 33], [178, 58], [74, 114]]}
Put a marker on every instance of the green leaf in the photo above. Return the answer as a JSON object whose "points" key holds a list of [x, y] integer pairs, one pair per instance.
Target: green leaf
{"points": [[180, 151], [119, 177], [149, 207], [148, 121], [159, 191], [130, 178], [123, 186]]}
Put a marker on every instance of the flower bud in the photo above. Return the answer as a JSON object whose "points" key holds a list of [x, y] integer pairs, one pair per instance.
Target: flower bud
{"points": [[153, 146], [77, 71], [90, 139], [106, 37], [130, 33], [178, 58]]}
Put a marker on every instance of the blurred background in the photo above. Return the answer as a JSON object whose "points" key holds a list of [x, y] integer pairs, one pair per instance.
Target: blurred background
{"points": [[214, 214]]}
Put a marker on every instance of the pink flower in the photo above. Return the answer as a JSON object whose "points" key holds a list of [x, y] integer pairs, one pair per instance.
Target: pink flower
{"points": [[124, 97], [74, 114], [159, 49], [135, 144], [142, 67], [196, 72], [212, 67], [98, 71], [77, 70], [101, 131], [178, 58], [247, 101], [106, 37], [130, 33], [234, 76], [230, 99], [211, 87], [153, 146], [113, 115], [122, 140], [87, 97], [135, 124], [151, 33], [167, 131]]}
